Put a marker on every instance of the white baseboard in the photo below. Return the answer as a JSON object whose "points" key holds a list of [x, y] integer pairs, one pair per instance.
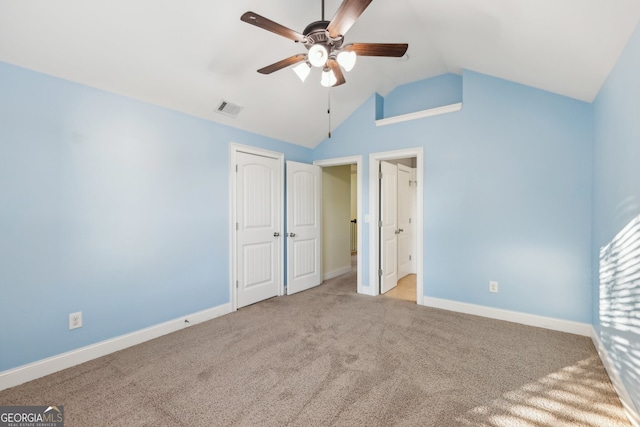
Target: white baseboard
{"points": [[618, 385], [32, 371], [336, 273], [511, 316]]}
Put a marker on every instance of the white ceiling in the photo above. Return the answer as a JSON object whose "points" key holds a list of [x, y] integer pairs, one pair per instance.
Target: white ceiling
{"points": [[188, 55]]}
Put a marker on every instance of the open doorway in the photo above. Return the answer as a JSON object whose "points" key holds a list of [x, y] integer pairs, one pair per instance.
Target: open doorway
{"points": [[342, 212], [384, 227], [336, 221]]}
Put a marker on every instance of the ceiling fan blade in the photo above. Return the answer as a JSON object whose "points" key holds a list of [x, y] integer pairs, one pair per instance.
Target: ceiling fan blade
{"points": [[267, 24], [337, 71], [282, 64], [346, 16], [394, 50]]}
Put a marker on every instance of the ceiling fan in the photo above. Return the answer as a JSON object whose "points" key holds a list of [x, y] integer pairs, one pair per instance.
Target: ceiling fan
{"points": [[324, 42]]}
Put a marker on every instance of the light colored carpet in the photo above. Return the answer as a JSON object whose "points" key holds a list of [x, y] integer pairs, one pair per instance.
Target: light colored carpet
{"points": [[329, 356]]}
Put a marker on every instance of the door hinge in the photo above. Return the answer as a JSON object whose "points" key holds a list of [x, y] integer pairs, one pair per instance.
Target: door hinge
{"points": [[237, 227], [379, 175], [236, 168], [379, 223], [380, 273], [236, 284], [409, 257], [409, 220]]}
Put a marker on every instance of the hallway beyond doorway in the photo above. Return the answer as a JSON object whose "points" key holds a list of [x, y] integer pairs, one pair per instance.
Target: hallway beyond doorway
{"points": [[406, 289]]}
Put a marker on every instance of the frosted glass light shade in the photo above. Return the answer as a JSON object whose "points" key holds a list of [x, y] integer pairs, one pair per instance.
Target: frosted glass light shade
{"points": [[318, 55], [302, 70], [347, 60], [328, 78]]}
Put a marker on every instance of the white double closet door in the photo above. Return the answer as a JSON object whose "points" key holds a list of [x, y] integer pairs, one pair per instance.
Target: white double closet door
{"points": [[258, 233], [397, 218], [304, 198], [258, 222]]}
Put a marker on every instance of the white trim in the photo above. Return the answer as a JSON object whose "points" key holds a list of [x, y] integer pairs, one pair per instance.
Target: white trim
{"points": [[614, 375], [511, 316], [420, 114], [32, 371], [234, 148], [336, 273], [374, 195], [357, 160]]}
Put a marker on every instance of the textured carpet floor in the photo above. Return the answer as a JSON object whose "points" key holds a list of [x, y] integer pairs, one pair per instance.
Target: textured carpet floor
{"points": [[328, 356]]}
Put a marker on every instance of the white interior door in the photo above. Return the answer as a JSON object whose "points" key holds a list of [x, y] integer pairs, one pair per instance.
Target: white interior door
{"points": [[258, 242], [304, 191], [389, 227], [404, 221]]}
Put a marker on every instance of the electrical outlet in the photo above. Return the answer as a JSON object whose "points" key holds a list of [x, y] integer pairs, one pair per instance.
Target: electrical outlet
{"points": [[75, 320], [493, 287]]}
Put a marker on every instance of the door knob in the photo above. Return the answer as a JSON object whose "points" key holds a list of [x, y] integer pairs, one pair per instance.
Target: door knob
{"points": [[292, 234], [400, 230], [276, 234]]}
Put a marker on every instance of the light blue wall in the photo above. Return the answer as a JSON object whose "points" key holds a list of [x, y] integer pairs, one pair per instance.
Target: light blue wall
{"points": [[108, 206], [507, 195], [120, 209], [438, 91], [616, 194]]}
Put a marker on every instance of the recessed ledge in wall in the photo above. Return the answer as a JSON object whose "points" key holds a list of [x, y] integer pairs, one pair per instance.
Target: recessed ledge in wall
{"points": [[420, 114]]}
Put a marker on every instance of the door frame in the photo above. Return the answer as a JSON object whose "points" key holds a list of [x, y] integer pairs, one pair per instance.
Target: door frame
{"points": [[409, 226], [374, 202], [357, 160], [235, 148]]}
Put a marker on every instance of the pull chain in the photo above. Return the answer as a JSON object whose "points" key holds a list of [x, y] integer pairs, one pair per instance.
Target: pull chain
{"points": [[329, 110]]}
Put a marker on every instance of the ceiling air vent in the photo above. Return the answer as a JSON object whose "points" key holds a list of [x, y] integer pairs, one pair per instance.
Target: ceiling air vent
{"points": [[229, 109]]}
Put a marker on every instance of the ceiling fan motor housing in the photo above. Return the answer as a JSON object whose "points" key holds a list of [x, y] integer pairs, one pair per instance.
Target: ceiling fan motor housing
{"points": [[316, 33]]}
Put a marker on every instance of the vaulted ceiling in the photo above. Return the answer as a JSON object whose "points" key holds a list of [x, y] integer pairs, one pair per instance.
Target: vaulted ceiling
{"points": [[189, 55]]}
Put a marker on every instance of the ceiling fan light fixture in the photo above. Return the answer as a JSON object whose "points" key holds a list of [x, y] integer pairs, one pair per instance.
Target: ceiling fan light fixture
{"points": [[318, 55], [324, 41], [328, 78], [347, 60], [302, 70]]}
